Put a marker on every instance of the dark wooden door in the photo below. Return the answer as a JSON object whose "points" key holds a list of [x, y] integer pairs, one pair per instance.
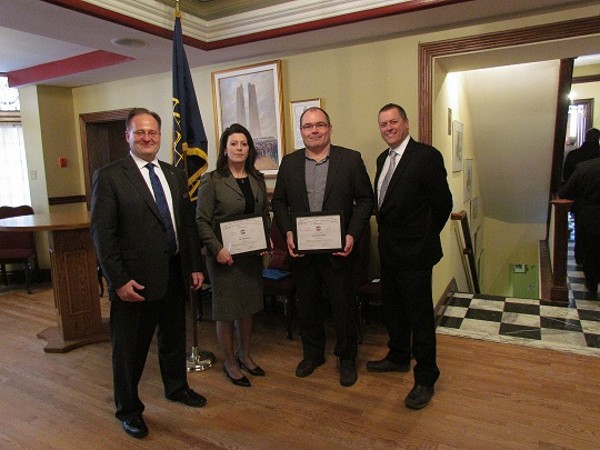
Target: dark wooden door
{"points": [[102, 142]]}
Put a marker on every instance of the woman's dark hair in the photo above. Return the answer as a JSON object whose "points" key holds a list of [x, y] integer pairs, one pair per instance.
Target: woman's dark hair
{"points": [[222, 164]]}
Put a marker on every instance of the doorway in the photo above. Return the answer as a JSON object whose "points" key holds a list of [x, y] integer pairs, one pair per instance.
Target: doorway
{"points": [[102, 142]]}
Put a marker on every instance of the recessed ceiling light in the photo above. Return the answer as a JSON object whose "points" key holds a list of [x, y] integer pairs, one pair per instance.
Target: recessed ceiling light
{"points": [[128, 42]]}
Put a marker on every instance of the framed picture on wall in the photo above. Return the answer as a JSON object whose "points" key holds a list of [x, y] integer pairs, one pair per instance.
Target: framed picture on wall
{"points": [[251, 96], [457, 146], [296, 110], [468, 180]]}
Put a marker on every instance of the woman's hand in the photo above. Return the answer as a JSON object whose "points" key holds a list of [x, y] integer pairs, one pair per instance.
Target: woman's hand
{"points": [[224, 257]]}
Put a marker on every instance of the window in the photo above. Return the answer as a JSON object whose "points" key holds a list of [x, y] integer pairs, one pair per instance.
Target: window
{"points": [[14, 183]]}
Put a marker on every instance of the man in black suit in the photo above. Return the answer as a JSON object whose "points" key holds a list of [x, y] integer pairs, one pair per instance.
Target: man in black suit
{"points": [[324, 177], [590, 149], [584, 187], [148, 247], [414, 203]]}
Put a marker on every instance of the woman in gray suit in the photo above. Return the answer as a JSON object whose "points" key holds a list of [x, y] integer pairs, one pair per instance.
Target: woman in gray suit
{"points": [[235, 188]]}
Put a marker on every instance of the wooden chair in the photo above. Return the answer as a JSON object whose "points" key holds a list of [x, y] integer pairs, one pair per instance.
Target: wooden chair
{"points": [[368, 290], [17, 247], [285, 287]]}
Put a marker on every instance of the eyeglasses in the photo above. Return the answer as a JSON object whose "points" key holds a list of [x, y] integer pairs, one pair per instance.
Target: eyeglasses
{"points": [[139, 134], [318, 126]]}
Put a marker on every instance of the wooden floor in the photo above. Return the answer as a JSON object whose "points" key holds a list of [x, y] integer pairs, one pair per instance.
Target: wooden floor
{"points": [[489, 396]]}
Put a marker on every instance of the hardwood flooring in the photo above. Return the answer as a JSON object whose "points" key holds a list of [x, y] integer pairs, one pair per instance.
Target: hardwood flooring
{"points": [[489, 396]]}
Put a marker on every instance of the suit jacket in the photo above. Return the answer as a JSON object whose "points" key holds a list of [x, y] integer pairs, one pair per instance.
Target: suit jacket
{"points": [[219, 198], [128, 232], [584, 187], [348, 189], [589, 150], [416, 206]]}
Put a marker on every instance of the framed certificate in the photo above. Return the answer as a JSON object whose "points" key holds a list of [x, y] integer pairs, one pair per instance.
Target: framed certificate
{"points": [[244, 234], [320, 232]]}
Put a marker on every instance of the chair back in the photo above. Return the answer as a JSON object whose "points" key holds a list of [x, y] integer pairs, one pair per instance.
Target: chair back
{"points": [[280, 258], [16, 244], [362, 249]]}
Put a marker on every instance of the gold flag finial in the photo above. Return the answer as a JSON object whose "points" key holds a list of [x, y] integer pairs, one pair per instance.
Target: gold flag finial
{"points": [[177, 13]]}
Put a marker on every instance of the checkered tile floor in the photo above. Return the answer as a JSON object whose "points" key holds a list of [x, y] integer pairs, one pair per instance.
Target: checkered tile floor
{"points": [[528, 322]]}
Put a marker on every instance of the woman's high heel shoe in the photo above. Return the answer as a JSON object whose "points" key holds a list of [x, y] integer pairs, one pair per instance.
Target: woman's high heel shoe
{"points": [[257, 371], [242, 381]]}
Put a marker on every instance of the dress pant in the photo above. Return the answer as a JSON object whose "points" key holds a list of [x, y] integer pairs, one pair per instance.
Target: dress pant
{"points": [[409, 319], [132, 326], [318, 278]]}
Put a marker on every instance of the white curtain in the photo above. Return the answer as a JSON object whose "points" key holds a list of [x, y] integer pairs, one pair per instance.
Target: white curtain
{"points": [[14, 183]]}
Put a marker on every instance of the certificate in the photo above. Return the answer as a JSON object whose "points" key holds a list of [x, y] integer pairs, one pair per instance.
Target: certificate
{"points": [[244, 235], [318, 232]]}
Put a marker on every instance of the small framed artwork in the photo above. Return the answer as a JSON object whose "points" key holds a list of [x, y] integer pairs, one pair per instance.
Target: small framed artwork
{"points": [[296, 110], [251, 96], [468, 180], [457, 146], [475, 212]]}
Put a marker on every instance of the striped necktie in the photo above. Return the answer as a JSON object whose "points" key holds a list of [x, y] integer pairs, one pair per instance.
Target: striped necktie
{"points": [[163, 208], [388, 176]]}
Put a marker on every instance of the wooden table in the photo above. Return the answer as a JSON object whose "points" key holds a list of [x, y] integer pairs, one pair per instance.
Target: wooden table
{"points": [[74, 278]]}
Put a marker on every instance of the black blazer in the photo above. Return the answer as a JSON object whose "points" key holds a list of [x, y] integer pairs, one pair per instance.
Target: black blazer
{"points": [[128, 232], [348, 189], [417, 204]]}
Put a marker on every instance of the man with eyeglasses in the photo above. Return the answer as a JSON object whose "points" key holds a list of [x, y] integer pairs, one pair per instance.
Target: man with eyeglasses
{"points": [[414, 203], [146, 240], [324, 178]]}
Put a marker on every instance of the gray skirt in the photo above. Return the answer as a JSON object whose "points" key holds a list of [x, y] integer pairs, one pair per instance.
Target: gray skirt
{"points": [[237, 290]]}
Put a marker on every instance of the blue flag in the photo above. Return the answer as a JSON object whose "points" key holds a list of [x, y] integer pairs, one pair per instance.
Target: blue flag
{"points": [[190, 145]]}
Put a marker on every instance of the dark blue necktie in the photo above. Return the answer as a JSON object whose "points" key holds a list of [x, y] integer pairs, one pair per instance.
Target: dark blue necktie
{"points": [[163, 207]]}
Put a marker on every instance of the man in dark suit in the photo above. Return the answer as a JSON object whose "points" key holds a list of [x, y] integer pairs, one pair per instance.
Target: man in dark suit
{"points": [[324, 177], [590, 149], [147, 244], [584, 187], [414, 203]]}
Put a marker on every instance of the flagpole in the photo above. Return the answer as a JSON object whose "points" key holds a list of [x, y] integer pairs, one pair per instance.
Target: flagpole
{"points": [[197, 360]]}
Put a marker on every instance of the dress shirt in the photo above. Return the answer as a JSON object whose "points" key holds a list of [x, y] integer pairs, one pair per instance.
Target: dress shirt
{"points": [[316, 180], [386, 165], [163, 181]]}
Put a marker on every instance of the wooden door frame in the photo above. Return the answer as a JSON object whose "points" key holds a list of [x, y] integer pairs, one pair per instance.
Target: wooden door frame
{"points": [[493, 41]]}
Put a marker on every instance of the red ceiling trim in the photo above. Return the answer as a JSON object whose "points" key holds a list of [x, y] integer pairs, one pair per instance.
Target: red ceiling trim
{"points": [[344, 19], [80, 63]]}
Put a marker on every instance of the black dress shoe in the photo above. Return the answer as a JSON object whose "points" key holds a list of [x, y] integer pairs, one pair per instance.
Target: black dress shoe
{"points": [[189, 398], [257, 371], [135, 426], [418, 397], [308, 366], [348, 375], [242, 381], [385, 365]]}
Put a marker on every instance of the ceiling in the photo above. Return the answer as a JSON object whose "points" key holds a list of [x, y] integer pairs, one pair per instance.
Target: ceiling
{"points": [[74, 43]]}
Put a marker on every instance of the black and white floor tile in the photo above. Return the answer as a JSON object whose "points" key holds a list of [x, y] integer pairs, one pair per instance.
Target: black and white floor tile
{"points": [[529, 322]]}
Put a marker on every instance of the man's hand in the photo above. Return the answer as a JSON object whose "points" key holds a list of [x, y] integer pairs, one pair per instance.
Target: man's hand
{"points": [[128, 293], [290, 245], [348, 247], [197, 280]]}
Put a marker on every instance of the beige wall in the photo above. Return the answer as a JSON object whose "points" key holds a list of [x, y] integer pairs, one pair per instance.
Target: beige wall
{"points": [[353, 83]]}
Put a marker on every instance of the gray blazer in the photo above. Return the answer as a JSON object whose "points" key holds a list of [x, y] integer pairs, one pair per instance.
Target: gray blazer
{"points": [[220, 198]]}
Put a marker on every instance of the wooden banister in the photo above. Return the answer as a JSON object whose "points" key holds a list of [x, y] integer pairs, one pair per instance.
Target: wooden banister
{"points": [[467, 248]]}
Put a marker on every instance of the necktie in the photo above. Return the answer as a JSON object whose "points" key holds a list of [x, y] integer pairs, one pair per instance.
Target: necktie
{"points": [[388, 176], [163, 207]]}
